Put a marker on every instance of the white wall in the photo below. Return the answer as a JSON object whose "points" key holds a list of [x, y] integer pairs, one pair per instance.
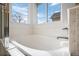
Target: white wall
{"points": [[21, 33]]}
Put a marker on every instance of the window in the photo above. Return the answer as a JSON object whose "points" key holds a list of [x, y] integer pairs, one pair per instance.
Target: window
{"points": [[48, 12], [20, 13], [54, 11], [41, 13]]}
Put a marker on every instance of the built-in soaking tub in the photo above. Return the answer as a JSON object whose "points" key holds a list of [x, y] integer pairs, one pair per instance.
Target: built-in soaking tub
{"points": [[41, 37], [37, 45]]}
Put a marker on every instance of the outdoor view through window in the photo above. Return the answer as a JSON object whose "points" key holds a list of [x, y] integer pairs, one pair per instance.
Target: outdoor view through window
{"points": [[20, 13], [53, 12]]}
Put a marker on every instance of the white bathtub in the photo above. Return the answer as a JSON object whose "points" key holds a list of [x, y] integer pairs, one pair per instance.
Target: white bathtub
{"points": [[39, 42], [37, 45]]}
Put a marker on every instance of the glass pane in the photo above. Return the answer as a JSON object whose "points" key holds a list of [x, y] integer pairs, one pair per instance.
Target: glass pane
{"points": [[41, 13], [20, 13], [54, 10]]}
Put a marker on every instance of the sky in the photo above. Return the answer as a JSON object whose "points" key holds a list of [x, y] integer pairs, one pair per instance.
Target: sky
{"points": [[52, 8], [22, 10]]}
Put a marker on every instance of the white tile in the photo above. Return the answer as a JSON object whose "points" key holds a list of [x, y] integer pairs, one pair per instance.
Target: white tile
{"points": [[15, 52]]}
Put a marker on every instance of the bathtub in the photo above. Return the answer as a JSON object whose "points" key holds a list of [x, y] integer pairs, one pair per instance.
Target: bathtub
{"points": [[36, 45], [39, 42]]}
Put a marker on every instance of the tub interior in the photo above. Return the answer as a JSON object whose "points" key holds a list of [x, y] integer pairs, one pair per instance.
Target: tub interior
{"points": [[41, 37]]}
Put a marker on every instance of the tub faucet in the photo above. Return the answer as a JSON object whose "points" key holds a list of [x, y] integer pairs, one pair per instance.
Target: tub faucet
{"points": [[60, 37]]}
